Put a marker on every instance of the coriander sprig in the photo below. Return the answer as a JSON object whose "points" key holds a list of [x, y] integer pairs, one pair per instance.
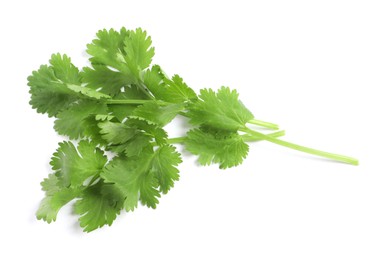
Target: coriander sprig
{"points": [[120, 105]]}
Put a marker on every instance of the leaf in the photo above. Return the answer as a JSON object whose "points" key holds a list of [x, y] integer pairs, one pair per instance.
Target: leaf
{"points": [[48, 89], [158, 114], [148, 193], [134, 175], [140, 137], [128, 175], [51, 205], [104, 79], [132, 147], [55, 88], [172, 91], [52, 184], [92, 131], [224, 148], [150, 129], [116, 133], [64, 70], [57, 196], [77, 165], [88, 92], [163, 167], [123, 54], [139, 52], [98, 205], [110, 72], [153, 79], [135, 146], [126, 138], [221, 110], [177, 91], [74, 122], [108, 49]]}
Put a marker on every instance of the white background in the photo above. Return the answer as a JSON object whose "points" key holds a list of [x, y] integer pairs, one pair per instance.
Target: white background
{"points": [[314, 67]]}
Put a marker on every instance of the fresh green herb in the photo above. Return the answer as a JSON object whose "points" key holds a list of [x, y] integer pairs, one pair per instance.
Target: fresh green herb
{"points": [[118, 106]]}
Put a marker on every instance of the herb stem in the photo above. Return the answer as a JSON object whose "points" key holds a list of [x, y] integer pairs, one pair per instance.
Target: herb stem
{"points": [[251, 138], [177, 140], [263, 124], [132, 102], [246, 138], [332, 156]]}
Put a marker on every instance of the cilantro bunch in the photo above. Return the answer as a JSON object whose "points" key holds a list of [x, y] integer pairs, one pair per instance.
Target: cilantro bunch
{"points": [[114, 112]]}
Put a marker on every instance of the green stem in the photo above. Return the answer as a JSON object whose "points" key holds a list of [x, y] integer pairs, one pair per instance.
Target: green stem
{"points": [[251, 138], [263, 124], [132, 102], [126, 101], [176, 140], [332, 156], [246, 138]]}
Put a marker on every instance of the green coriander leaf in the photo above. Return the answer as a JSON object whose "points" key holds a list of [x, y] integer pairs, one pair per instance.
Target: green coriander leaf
{"points": [[108, 49], [64, 70], [75, 122], [163, 167], [150, 129], [177, 91], [116, 133], [110, 72], [91, 93], [51, 205], [157, 114], [118, 59], [92, 130], [173, 90], [133, 175], [153, 80], [52, 184], [222, 110], [139, 52], [135, 146], [128, 175], [55, 88], [77, 165], [48, 89], [223, 148], [148, 193], [132, 146], [57, 195], [98, 205], [145, 132], [104, 79], [130, 137]]}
